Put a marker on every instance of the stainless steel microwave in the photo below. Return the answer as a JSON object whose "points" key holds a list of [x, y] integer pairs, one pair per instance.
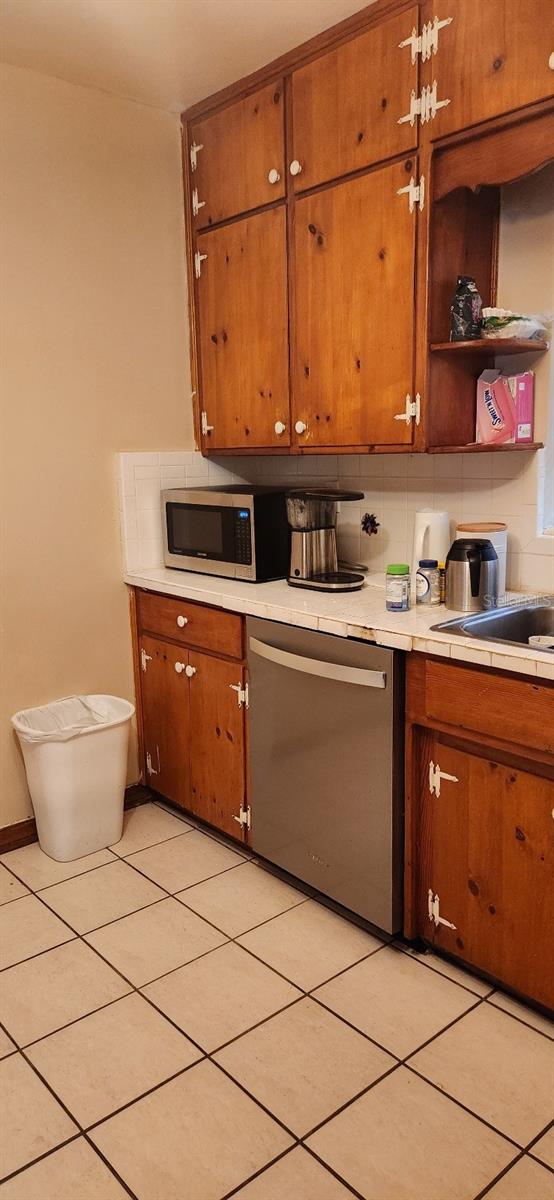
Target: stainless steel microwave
{"points": [[240, 531]]}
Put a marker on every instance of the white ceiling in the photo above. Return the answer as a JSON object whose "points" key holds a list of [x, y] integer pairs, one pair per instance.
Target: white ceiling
{"points": [[167, 53]]}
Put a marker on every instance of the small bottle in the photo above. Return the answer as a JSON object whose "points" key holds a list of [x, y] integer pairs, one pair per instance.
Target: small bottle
{"points": [[397, 590], [466, 311], [427, 582], [442, 582]]}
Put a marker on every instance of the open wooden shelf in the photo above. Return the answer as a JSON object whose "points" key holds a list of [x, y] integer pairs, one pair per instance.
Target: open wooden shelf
{"points": [[483, 448], [491, 346]]}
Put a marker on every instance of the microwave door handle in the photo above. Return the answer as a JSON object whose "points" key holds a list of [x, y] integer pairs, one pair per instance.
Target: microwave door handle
{"points": [[314, 666]]}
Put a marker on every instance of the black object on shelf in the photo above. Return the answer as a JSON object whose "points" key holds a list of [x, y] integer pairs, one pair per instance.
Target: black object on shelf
{"points": [[466, 311]]}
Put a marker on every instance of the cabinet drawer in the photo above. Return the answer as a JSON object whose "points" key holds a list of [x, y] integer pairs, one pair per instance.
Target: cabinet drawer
{"points": [[518, 711], [191, 624]]}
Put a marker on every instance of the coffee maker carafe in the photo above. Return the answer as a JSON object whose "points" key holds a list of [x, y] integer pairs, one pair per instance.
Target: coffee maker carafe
{"points": [[312, 516]]}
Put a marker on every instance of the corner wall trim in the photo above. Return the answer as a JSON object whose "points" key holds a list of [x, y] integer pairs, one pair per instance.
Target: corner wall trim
{"points": [[12, 837]]}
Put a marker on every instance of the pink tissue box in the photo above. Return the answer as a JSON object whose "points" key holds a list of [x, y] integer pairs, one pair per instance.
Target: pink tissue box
{"points": [[504, 408], [522, 388]]}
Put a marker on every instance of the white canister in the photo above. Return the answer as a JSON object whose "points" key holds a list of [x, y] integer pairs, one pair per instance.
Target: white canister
{"points": [[497, 533]]}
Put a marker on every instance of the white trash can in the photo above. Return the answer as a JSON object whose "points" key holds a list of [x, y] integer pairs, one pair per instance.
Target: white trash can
{"points": [[75, 753]]}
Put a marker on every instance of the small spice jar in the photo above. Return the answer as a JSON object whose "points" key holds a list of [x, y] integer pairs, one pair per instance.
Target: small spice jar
{"points": [[442, 582], [397, 590], [428, 582]]}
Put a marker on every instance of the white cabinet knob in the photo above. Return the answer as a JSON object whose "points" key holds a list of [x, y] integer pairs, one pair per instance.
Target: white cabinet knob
{"points": [[279, 428], [273, 175], [295, 167], [182, 621], [180, 667], [300, 427], [551, 61], [190, 671]]}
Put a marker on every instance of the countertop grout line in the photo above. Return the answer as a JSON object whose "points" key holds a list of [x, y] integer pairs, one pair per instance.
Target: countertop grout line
{"points": [[372, 618]]}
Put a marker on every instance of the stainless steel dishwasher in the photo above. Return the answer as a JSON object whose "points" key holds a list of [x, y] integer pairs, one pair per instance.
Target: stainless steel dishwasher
{"points": [[326, 736]]}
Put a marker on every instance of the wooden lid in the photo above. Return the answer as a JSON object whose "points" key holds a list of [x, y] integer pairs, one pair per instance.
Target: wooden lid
{"points": [[482, 526]]}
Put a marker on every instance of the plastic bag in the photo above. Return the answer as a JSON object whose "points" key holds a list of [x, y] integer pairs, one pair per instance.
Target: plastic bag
{"points": [[503, 323], [70, 717]]}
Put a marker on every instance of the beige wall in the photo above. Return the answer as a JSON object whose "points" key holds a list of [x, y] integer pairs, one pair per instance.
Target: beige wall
{"points": [[95, 360]]}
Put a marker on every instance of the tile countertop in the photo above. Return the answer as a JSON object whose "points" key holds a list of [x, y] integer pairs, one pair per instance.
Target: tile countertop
{"points": [[348, 614]]}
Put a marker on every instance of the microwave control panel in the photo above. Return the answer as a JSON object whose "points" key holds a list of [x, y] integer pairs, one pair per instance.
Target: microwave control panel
{"points": [[243, 537]]}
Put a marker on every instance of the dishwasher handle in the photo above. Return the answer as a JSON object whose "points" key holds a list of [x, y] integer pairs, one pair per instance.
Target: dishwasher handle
{"points": [[314, 666]]}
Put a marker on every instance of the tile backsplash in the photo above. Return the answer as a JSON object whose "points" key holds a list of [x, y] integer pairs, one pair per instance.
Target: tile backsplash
{"points": [[475, 487]]}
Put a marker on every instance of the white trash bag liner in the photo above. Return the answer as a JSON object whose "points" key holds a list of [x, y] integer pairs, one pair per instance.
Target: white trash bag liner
{"points": [[70, 717], [75, 753]]}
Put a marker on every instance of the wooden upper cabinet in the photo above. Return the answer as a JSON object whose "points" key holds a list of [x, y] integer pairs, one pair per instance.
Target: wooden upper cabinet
{"points": [[234, 156], [347, 103], [242, 338], [354, 303], [491, 59]]}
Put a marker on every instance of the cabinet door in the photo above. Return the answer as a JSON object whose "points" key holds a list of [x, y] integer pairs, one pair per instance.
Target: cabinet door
{"points": [[354, 297], [243, 341], [491, 59], [217, 742], [236, 153], [165, 711], [487, 853], [346, 104]]}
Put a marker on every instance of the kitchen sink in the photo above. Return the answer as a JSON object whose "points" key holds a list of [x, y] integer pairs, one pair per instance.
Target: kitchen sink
{"points": [[513, 625]]}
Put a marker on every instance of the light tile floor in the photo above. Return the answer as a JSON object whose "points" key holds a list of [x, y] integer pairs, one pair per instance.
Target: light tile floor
{"points": [[177, 1023]]}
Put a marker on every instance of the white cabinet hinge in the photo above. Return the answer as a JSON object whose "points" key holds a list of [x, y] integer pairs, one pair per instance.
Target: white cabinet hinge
{"points": [[144, 658], [242, 693], [193, 155], [204, 427], [433, 910], [412, 410], [149, 768], [425, 106], [415, 193], [243, 817], [198, 260], [427, 43], [435, 776], [196, 203]]}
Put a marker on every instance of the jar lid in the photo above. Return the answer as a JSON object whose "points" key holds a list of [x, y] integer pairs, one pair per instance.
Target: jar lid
{"points": [[398, 569], [428, 562]]}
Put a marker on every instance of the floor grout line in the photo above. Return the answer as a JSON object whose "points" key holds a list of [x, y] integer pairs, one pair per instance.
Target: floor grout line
{"points": [[485, 1191], [350, 1187], [208, 1056], [507, 1137], [525, 1153], [549, 1036], [34, 890], [47, 1154]]}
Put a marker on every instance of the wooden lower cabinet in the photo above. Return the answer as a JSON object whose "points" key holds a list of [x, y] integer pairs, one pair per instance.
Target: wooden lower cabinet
{"points": [[486, 865], [192, 716], [217, 756], [480, 821], [165, 706]]}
